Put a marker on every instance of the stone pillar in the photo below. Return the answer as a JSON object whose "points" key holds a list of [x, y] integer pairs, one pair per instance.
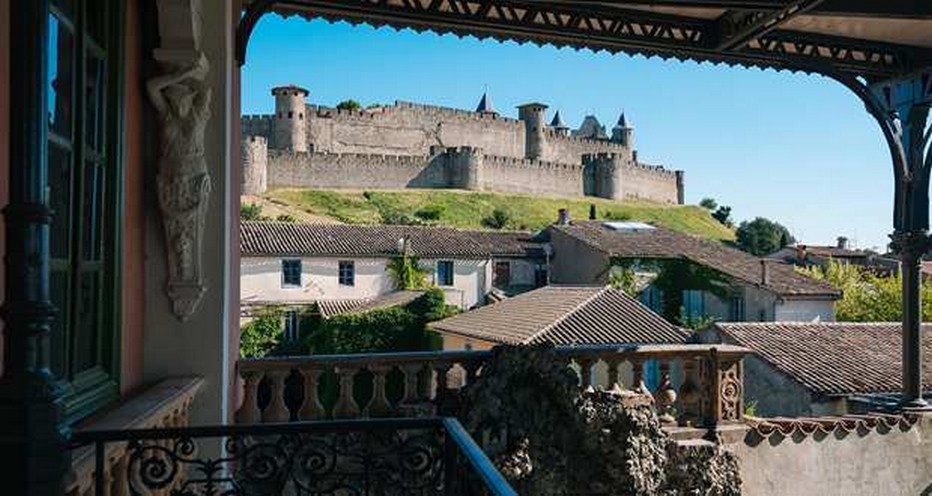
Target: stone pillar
{"points": [[534, 117], [680, 188], [255, 159], [289, 125], [201, 345]]}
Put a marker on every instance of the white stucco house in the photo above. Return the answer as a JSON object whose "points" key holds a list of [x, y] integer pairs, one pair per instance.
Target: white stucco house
{"points": [[301, 264]]}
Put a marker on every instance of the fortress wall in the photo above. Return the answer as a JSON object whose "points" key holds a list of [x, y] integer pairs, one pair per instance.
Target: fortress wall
{"points": [[649, 183], [569, 149], [510, 175], [257, 125], [354, 171], [411, 129]]}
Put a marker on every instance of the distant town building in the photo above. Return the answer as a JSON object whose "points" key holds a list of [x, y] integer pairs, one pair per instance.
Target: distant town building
{"points": [[820, 368], [759, 290], [803, 255], [410, 145]]}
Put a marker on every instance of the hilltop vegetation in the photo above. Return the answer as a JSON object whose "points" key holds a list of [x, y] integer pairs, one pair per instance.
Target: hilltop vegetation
{"points": [[473, 210]]}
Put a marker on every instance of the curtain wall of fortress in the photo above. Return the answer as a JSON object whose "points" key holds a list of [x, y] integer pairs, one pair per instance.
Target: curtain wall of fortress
{"points": [[409, 145]]}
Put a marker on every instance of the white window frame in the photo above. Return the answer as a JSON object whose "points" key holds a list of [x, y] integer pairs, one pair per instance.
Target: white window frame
{"points": [[452, 273], [285, 283], [352, 275]]}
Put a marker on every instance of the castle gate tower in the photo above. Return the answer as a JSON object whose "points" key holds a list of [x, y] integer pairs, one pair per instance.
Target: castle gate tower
{"points": [[289, 126], [535, 124]]}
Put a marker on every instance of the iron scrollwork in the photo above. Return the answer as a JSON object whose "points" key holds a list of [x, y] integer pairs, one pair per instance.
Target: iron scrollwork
{"points": [[344, 463]]}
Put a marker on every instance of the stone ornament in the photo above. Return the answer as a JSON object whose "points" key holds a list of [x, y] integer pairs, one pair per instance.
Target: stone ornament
{"points": [[182, 99]]}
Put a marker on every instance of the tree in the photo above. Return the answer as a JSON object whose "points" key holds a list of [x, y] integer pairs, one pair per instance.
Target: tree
{"points": [[349, 105], [708, 203], [406, 273], [866, 296], [762, 236], [262, 334], [723, 215]]}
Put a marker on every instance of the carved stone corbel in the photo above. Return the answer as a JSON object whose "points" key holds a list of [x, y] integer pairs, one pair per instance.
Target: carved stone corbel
{"points": [[182, 97]]}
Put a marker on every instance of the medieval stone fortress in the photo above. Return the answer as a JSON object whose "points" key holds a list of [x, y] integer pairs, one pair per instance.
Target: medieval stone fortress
{"points": [[410, 145]]}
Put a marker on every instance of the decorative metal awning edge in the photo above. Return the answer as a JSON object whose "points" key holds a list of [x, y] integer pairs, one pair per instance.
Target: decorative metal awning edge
{"points": [[747, 39]]}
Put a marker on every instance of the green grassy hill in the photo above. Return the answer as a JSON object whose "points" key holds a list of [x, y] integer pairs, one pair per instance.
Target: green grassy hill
{"points": [[468, 209]]}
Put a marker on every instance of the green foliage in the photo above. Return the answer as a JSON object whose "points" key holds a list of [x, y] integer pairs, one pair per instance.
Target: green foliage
{"points": [[399, 218], [750, 408], [406, 273], [762, 236], [723, 215], [430, 213], [261, 335], [285, 218], [866, 296], [696, 323], [349, 105], [466, 210], [708, 203], [673, 276], [402, 328], [251, 211], [497, 220], [623, 278]]}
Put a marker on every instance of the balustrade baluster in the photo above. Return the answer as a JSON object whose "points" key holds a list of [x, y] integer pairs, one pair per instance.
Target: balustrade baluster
{"points": [[637, 370], [585, 372], [346, 406], [441, 386], [612, 364], [379, 406], [250, 413], [412, 392], [311, 407], [277, 411], [689, 394]]}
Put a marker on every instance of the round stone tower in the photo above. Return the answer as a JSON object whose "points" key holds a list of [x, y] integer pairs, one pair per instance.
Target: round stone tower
{"points": [[623, 133], [255, 159], [535, 123], [289, 128]]}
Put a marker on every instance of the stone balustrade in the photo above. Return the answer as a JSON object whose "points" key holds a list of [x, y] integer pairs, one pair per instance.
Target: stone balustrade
{"points": [[164, 405], [697, 385]]}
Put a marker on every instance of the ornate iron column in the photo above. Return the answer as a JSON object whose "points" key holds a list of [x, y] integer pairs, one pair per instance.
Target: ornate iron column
{"points": [[902, 107], [35, 458]]}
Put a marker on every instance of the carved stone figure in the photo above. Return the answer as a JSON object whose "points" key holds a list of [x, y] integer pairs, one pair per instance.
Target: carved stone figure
{"points": [[182, 100]]}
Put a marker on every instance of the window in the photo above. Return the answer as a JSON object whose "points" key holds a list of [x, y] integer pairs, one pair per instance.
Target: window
{"points": [[347, 274], [444, 273], [291, 273], [502, 274], [540, 275], [736, 313], [693, 303], [652, 298], [84, 187], [292, 326]]}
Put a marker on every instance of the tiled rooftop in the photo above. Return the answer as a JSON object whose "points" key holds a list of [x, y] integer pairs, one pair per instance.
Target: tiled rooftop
{"points": [[831, 358], [565, 315]]}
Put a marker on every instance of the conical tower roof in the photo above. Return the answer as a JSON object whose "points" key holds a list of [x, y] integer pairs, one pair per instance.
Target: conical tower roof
{"points": [[622, 121], [485, 105], [557, 122]]}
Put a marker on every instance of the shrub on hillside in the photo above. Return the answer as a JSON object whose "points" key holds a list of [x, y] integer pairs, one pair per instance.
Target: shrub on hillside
{"points": [[251, 211], [430, 213], [498, 220]]}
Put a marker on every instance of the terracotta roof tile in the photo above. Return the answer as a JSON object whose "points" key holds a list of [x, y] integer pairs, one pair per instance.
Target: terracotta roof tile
{"points": [[664, 243], [565, 315], [831, 358], [296, 239]]}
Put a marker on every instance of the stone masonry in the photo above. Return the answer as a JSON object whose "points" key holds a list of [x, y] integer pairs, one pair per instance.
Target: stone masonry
{"points": [[409, 145]]}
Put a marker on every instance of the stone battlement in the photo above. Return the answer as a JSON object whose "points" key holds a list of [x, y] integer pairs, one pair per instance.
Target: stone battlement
{"points": [[529, 163], [356, 159]]}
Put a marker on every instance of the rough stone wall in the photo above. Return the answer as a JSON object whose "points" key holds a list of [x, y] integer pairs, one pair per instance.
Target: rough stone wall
{"points": [[648, 183], [570, 149], [411, 129], [257, 125], [531, 176], [341, 170]]}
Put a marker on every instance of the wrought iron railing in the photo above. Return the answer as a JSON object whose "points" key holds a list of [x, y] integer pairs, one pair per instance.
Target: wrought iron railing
{"points": [[425, 456], [694, 384]]}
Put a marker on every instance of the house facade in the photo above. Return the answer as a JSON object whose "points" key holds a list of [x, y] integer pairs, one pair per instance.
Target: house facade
{"points": [[302, 264], [747, 288]]}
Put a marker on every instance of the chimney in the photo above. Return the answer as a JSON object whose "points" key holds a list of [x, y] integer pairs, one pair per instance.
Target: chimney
{"points": [[764, 273], [563, 217], [592, 214], [801, 254], [843, 242]]}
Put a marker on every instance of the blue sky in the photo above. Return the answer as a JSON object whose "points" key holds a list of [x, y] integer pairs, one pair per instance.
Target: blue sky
{"points": [[794, 148]]}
